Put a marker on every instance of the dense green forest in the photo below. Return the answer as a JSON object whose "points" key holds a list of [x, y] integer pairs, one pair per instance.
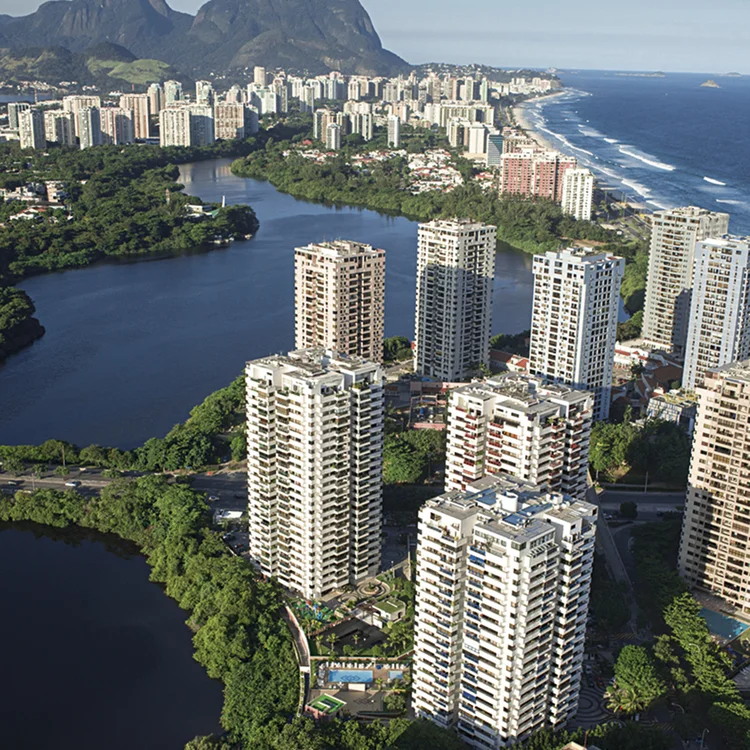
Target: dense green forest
{"points": [[18, 327]]}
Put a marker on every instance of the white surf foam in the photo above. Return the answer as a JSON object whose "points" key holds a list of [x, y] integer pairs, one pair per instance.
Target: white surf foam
{"points": [[731, 203], [715, 182], [611, 140], [646, 159], [642, 190]]}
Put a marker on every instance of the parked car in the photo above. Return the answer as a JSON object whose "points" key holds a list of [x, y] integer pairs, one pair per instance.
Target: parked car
{"points": [[72, 483]]}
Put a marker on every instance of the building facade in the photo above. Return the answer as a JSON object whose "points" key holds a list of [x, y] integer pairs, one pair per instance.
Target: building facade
{"points": [[230, 120], [31, 129], [89, 127], [117, 125], [455, 274], [519, 425], [503, 584], [141, 108], [174, 127], [339, 294], [333, 136], [574, 320], [59, 127], [716, 527], [394, 131], [578, 193], [674, 234], [315, 460], [719, 327]]}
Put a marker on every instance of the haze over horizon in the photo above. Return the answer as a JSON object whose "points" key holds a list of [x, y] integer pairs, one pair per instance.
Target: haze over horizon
{"points": [[651, 35]]}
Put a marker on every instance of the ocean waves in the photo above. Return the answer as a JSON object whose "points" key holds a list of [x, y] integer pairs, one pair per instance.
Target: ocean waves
{"points": [[715, 182], [645, 158]]}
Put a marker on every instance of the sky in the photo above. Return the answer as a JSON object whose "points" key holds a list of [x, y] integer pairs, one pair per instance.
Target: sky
{"points": [[671, 35]]}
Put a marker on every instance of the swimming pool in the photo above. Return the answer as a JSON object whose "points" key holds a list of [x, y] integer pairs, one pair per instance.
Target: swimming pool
{"points": [[350, 675], [722, 625], [396, 674]]}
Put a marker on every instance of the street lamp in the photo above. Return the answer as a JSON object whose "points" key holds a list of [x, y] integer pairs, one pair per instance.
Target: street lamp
{"points": [[703, 736]]}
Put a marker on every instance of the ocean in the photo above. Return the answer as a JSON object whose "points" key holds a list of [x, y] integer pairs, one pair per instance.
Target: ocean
{"points": [[664, 142]]}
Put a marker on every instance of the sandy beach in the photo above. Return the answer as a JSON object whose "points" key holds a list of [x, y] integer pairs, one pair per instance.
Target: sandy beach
{"points": [[519, 117]]}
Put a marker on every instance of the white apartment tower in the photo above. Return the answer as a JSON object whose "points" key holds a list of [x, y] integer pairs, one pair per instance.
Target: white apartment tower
{"points": [[259, 75], [578, 193], [141, 107], [75, 103], [201, 125], [204, 93], [14, 110], [719, 328], [174, 127], [229, 120], [339, 296], [333, 136], [674, 234], [155, 98], [89, 127], [31, 129], [455, 273], [521, 426], [59, 128], [172, 93], [716, 527], [574, 320], [503, 584], [315, 460], [394, 131], [117, 125]]}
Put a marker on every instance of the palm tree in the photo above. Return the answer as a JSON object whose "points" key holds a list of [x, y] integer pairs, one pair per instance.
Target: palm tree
{"points": [[356, 638], [623, 700], [331, 638]]}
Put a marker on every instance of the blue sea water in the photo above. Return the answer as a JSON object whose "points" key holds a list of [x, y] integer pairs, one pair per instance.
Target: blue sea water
{"points": [[664, 142]]}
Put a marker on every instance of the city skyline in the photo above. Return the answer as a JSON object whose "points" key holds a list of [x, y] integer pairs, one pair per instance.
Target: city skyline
{"points": [[595, 37]]}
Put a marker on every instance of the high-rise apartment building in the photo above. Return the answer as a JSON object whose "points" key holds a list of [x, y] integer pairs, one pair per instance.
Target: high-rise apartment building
{"points": [[533, 173], [321, 119], [75, 103], [204, 93], [719, 328], [315, 458], [578, 193], [519, 425], [201, 125], [174, 127], [155, 95], [59, 128], [14, 110], [339, 290], [333, 136], [259, 76], [230, 120], [455, 274], [574, 320], [117, 125], [89, 127], [494, 150], [503, 584], [31, 129], [674, 234], [716, 528], [394, 131], [141, 107], [477, 140], [172, 93]]}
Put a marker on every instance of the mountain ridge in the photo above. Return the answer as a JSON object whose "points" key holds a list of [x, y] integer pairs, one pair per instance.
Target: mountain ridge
{"points": [[313, 35]]}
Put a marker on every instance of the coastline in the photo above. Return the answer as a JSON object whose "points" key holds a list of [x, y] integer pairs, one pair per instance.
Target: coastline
{"points": [[520, 119]]}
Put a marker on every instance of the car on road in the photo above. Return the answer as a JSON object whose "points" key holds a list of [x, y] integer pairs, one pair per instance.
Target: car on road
{"points": [[213, 498], [12, 483], [72, 483]]}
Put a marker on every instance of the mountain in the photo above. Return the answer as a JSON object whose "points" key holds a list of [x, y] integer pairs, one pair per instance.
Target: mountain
{"points": [[316, 35], [106, 65]]}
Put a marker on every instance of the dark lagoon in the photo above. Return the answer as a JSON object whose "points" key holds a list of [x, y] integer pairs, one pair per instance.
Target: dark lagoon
{"points": [[93, 655], [130, 348]]}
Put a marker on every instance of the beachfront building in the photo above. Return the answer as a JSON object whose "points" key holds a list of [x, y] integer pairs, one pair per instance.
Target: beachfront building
{"points": [[31, 129], [674, 233], [519, 425], [455, 273], [339, 298], [314, 469], [719, 327], [141, 108], [533, 173], [716, 526], [503, 584], [578, 193], [574, 320]]}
